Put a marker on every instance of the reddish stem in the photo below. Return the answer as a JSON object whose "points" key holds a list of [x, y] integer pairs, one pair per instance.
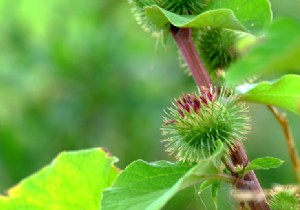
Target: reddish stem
{"points": [[239, 157], [184, 41]]}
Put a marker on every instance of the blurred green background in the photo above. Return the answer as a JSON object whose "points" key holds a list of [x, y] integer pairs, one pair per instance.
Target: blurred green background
{"points": [[81, 74]]}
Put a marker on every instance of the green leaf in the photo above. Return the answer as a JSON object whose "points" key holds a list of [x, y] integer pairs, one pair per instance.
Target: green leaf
{"points": [[283, 93], [224, 18], [74, 180], [242, 15], [254, 15], [263, 163], [278, 51], [145, 185]]}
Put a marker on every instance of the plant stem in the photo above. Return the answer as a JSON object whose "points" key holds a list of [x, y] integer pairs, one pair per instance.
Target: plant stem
{"points": [[282, 120], [239, 157], [184, 41]]}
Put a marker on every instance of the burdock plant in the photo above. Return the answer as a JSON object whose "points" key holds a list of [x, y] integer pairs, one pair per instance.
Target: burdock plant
{"points": [[224, 44]]}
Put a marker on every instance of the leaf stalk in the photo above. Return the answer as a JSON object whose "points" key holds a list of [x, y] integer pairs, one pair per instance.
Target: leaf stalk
{"points": [[283, 122]]}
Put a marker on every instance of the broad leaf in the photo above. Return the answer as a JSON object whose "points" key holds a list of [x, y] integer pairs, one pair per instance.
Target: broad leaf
{"points": [[74, 180], [145, 185], [263, 164], [284, 93], [224, 18], [254, 15], [278, 51]]}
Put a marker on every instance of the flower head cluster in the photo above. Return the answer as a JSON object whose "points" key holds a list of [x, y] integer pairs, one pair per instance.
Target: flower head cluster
{"points": [[196, 122], [284, 197], [216, 46]]}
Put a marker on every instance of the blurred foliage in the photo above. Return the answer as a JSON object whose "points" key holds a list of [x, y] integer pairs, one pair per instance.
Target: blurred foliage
{"points": [[78, 75], [81, 74]]}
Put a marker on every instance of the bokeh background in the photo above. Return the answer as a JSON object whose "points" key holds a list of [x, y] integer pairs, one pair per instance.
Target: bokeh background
{"points": [[82, 74]]}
